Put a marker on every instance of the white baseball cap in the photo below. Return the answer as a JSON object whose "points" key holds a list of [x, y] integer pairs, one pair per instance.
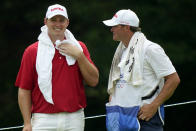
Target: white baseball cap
{"points": [[123, 17], [56, 10]]}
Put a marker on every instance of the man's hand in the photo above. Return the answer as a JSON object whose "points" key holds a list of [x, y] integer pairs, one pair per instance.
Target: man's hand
{"points": [[27, 127], [88, 70], [110, 98], [71, 50], [147, 111]]}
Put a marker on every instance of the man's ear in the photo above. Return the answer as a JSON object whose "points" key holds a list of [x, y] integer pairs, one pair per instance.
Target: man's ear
{"points": [[67, 22], [45, 21]]}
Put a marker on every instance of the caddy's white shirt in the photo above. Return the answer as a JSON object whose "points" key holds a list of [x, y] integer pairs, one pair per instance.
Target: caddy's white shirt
{"points": [[156, 65]]}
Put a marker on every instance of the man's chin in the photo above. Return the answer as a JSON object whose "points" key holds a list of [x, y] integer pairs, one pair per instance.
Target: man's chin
{"points": [[115, 39], [59, 33]]}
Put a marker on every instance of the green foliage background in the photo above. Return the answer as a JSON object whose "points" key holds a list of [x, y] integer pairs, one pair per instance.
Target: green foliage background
{"points": [[169, 23]]}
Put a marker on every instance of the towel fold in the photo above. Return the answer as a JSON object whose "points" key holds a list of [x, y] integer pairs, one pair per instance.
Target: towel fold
{"points": [[45, 54]]}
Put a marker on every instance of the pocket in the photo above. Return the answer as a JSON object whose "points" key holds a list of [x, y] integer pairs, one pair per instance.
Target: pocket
{"points": [[37, 117], [42, 121], [37, 121], [156, 120], [81, 113], [77, 120], [78, 114]]}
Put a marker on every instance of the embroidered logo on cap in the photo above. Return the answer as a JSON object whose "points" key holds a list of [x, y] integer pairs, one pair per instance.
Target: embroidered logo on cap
{"points": [[57, 9]]}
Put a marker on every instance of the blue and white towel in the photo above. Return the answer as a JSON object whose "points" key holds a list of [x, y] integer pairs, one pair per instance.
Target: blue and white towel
{"points": [[122, 118]]}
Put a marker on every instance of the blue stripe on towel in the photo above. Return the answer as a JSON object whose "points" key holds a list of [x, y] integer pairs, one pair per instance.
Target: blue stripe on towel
{"points": [[122, 118]]}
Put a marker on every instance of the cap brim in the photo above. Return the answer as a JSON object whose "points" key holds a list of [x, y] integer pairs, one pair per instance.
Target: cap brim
{"points": [[110, 22]]}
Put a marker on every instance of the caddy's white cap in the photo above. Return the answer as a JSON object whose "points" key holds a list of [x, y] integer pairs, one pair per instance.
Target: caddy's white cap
{"points": [[56, 10], [123, 17]]}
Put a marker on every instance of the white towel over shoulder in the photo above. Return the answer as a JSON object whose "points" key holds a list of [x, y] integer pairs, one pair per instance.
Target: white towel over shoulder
{"points": [[45, 54], [131, 65]]}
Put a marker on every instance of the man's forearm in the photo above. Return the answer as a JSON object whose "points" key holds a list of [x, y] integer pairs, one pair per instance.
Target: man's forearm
{"points": [[147, 111], [24, 100], [88, 70], [169, 87]]}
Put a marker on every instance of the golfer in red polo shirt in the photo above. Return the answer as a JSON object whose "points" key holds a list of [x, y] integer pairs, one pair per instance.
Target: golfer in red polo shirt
{"points": [[51, 93]]}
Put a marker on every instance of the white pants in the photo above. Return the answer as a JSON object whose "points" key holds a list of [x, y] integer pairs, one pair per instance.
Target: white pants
{"points": [[63, 121]]}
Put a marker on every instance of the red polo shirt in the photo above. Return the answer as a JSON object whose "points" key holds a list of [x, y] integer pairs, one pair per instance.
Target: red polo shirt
{"points": [[67, 83]]}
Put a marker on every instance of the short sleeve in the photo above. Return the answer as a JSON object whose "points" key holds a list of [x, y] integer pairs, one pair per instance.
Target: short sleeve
{"points": [[27, 71], [86, 52], [159, 61]]}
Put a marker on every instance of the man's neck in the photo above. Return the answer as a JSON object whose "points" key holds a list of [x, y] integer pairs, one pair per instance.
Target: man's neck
{"points": [[127, 40]]}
